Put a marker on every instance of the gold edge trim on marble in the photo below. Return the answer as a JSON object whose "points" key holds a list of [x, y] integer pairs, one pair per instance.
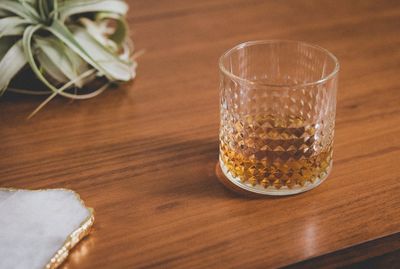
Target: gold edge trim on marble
{"points": [[73, 238]]}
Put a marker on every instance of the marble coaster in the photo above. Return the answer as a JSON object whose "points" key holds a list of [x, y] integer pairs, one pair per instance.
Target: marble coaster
{"points": [[39, 227]]}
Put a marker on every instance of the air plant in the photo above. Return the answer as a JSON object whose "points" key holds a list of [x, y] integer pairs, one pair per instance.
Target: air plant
{"points": [[67, 44]]}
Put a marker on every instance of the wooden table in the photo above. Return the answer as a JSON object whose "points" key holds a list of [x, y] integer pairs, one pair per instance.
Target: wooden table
{"points": [[143, 156]]}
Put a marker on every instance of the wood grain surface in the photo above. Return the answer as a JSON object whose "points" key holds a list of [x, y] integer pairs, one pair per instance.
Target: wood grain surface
{"points": [[143, 155]]}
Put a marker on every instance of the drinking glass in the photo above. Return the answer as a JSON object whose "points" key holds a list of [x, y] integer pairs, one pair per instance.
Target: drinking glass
{"points": [[277, 112]]}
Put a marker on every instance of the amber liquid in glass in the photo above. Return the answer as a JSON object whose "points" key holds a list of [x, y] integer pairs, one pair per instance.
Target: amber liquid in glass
{"points": [[275, 152]]}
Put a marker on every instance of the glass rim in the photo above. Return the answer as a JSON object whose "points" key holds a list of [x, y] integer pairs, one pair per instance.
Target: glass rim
{"points": [[264, 42]]}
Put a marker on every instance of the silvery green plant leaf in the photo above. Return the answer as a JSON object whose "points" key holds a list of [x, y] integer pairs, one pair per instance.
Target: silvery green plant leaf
{"points": [[66, 43], [72, 7], [63, 33], [50, 67], [10, 64], [119, 33], [114, 66], [58, 60], [12, 25], [100, 32], [19, 9]]}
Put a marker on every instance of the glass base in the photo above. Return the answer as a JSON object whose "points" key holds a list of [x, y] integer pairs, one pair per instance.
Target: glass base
{"points": [[271, 190]]}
